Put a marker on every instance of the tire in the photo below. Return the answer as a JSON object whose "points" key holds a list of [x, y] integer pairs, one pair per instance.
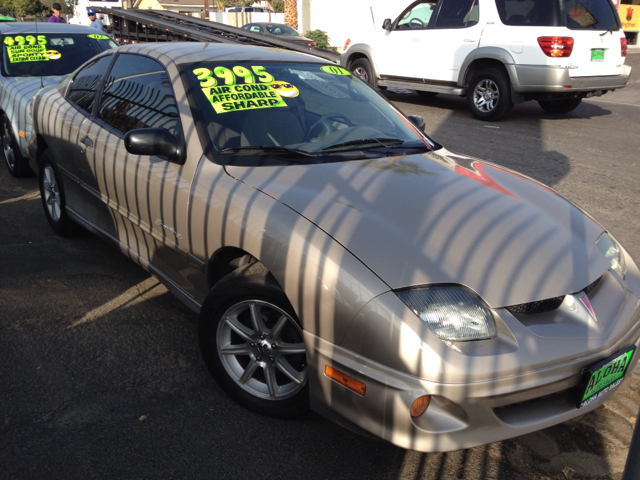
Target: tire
{"points": [[560, 106], [489, 95], [17, 164], [252, 343], [361, 68], [53, 198]]}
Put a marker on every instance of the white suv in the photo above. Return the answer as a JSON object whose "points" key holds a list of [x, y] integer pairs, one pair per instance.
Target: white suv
{"points": [[497, 52]]}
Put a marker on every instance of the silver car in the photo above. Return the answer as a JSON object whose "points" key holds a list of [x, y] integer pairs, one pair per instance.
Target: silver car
{"points": [[33, 56], [338, 257]]}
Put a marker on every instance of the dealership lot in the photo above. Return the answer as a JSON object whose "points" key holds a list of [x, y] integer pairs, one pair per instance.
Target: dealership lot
{"points": [[101, 375]]}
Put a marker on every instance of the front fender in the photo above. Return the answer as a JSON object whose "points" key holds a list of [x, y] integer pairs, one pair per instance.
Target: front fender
{"points": [[360, 49], [326, 285]]}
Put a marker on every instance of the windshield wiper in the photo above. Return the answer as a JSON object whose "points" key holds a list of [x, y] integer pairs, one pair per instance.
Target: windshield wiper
{"points": [[259, 150], [363, 142]]}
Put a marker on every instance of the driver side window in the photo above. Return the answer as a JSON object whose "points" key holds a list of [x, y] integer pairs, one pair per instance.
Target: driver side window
{"points": [[418, 17]]}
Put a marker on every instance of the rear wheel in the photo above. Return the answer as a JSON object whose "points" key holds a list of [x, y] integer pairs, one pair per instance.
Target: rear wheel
{"points": [[53, 198], [489, 95], [252, 343], [361, 68], [17, 164], [560, 106]]}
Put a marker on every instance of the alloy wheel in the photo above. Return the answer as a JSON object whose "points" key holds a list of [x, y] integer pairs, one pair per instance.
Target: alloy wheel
{"points": [[361, 73], [262, 349], [9, 154], [51, 193], [486, 95]]}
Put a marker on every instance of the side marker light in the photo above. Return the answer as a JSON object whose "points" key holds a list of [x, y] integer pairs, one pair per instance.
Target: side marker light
{"points": [[343, 379], [419, 405]]}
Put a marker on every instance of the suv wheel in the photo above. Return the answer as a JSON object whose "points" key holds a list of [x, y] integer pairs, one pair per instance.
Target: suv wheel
{"points": [[489, 95], [361, 68], [560, 106]]}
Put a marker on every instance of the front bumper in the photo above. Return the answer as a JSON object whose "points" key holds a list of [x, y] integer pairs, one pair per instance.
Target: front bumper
{"points": [[544, 79], [522, 381]]}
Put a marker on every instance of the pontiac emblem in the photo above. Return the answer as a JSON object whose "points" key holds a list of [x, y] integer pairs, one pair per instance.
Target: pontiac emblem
{"points": [[585, 301]]}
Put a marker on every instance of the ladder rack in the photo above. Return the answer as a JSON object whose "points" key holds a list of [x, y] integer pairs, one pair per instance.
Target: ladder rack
{"points": [[137, 26]]}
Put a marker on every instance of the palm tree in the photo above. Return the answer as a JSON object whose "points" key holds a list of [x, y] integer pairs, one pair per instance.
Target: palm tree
{"points": [[291, 13]]}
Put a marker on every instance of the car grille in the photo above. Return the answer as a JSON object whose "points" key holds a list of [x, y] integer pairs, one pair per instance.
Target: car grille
{"points": [[541, 306], [591, 286]]}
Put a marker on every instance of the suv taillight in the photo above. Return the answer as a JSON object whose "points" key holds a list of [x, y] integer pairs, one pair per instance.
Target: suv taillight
{"points": [[556, 46], [623, 47]]}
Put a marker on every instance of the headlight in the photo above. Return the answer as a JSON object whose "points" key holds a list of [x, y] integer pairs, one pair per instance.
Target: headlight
{"points": [[611, 249], [451, 312]]}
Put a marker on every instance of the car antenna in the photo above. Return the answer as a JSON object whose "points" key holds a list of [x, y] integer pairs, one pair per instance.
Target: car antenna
{"points": [[36, 22]]}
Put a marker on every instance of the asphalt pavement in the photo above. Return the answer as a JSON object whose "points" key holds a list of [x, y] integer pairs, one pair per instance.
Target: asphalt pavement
{"points": [[100, 374]]}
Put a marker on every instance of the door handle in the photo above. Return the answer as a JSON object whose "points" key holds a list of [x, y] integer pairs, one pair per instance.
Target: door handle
{"points": [[87, 141]]}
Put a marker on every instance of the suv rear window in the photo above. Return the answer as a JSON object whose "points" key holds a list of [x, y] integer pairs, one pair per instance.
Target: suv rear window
{"points": [[573, 14]]}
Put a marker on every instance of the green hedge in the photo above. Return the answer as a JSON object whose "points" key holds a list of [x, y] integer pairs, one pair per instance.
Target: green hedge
{"points": [[321, 38]]}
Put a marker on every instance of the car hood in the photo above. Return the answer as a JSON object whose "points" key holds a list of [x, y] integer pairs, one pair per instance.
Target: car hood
{"points": [[28, 86], [439, 218]]}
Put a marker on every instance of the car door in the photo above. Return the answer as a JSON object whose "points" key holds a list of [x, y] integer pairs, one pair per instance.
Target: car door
{"points": [[455, 34], [146, 195], [398, 52], [68, 144]]}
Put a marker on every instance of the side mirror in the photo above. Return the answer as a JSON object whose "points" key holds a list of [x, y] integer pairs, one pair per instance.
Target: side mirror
{"points": [[387, 24], [153, 141], [417, 121]]}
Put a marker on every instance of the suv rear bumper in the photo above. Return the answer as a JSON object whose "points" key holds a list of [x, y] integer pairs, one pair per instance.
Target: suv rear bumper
{"points": [[542, 79]]}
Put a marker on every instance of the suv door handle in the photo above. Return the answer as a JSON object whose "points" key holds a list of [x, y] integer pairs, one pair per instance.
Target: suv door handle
{"points": [[87, 141]]}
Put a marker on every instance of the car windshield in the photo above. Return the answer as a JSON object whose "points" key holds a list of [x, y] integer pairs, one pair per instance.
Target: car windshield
{"points": [[574, 14], [51, 53], [292, 109], [282, 30]]}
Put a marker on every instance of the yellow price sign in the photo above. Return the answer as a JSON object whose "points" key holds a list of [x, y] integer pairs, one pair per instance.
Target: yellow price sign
{"points": [[27, 53], [220, 86]]}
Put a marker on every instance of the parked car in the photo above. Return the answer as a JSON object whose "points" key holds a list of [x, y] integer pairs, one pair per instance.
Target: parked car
{"points": [[7, 15], [338, 257], [247, 9], [283, 32], [33, 57], [497, 52]]}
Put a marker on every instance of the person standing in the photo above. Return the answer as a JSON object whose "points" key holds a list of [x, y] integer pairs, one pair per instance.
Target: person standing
{"points": [[95, 21], [57, 12]]}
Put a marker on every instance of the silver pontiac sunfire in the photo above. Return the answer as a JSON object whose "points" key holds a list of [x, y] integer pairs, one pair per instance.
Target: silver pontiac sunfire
{"points": [[338, 257]]}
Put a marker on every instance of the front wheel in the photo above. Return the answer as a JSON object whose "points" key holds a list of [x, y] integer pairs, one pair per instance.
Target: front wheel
{"points": [[361, 68], [17, 164], [489, 95], [560, 106], [252, 343], [53, 198]]}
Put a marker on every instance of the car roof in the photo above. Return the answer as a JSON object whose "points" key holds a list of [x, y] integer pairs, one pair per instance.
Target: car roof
{"points": [[191, 52], [262, 24], [14, 28]]}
